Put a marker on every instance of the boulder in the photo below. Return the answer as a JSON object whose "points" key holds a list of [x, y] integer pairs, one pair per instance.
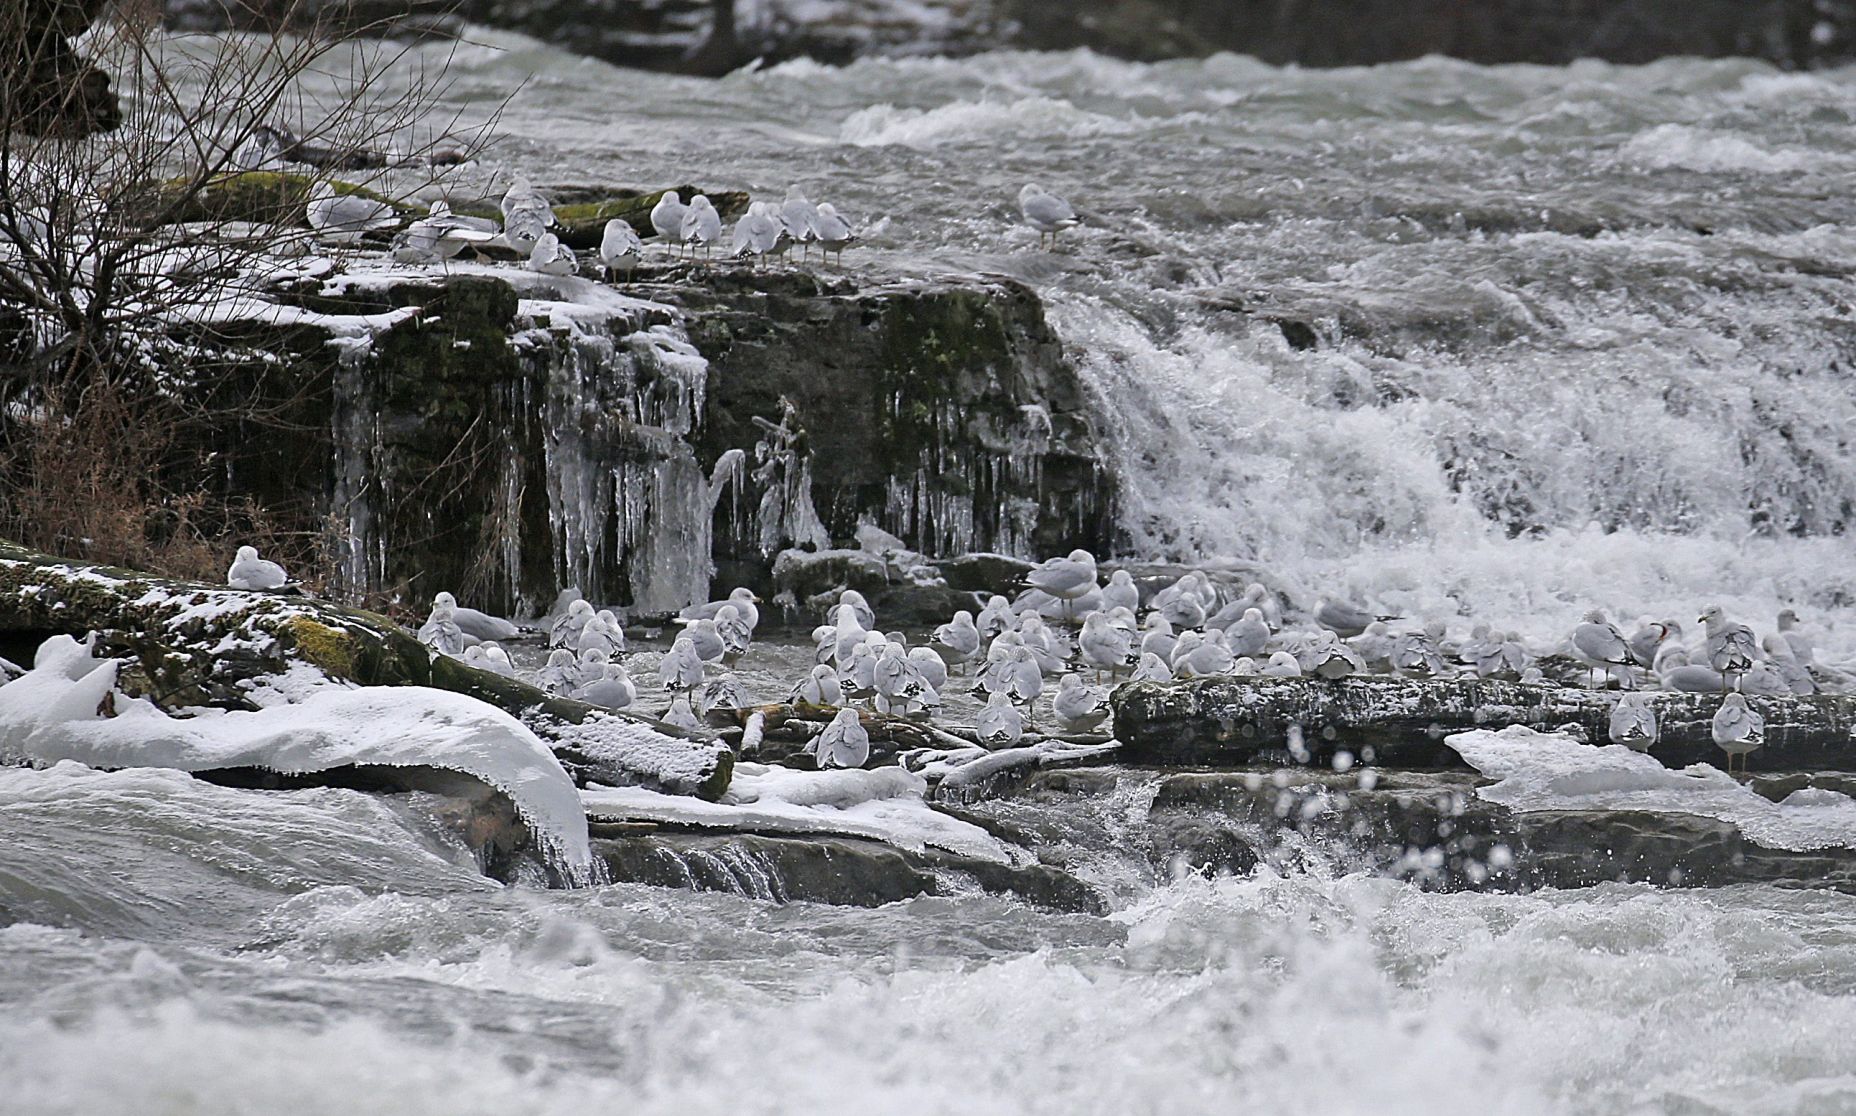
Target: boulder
{"points": [[1235, 720]]}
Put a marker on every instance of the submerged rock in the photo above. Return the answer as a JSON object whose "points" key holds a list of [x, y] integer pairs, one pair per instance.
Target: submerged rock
{"points": [[839, 870]]}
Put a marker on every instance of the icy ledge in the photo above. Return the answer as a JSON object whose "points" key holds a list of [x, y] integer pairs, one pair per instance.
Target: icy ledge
{"points": [[68, 708], [1539, 771]]}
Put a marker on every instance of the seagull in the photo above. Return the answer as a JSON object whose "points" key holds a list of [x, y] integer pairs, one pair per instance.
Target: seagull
{"points": [[800, 219], [602, 633], [1065, 578], [681, 715], [1121, 592], [248, 571], [1415, 655], [1045, 212], [1202, 656], [844, 742], [999, 724], [1105, 647], [479, 625], [1731, 646], [1250, 634], [1599, 645], [1152, 669], [1645, 640], [758, 234], [1344, 619], [1375, 646], [441, 235], [1738, 729], [900, 688], [613, 689], [667, 217], [1633, 723], [492, 657], [957, 641], [702, 225], [859, 608], [1158, 638], [723, 693], [566, 630], [744, 601], [705, 640], [1502, 658], [346, 218], [995, 617], [1780, 656], [558, 676], [1795, 637], [1079, 707], [589, 667], [932, 668], [1325, 656], [524, 228], [819, 688], [834, 233], [1282, 665], [551, 257], [1674, 672], [522, 197], [619, 248], [681, 667], [735, 632], [440, 631]]}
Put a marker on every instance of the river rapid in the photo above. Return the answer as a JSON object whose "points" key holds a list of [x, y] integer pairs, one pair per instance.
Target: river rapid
{"points": [[1582, 337]]}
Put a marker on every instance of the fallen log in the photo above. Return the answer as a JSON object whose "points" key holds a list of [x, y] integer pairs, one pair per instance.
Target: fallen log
{"points": [[193, 645], [1222, 722]]}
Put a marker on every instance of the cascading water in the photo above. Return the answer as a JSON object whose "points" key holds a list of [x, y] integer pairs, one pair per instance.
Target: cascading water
{"points": [[1513, 341]]}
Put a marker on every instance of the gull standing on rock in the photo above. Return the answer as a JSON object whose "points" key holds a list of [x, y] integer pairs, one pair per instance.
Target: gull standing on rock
{"points": [[844, 742], [1121, 592], [834, 233], [1598, 644], [248, 571], [1079, 707], [613, 689], [999, 724], [744, 601], [702, 225], [1045, 212], [667, 218], [1105, 647], [800, 219], [1152, 669], [619, 248], [758, 234], [1738, 729], [1731, 646], [854, 601], [1633, 723], [558, 676], [680, 670], [1325, 656]]}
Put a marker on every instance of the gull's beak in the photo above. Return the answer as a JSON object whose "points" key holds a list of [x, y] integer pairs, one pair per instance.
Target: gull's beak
{"points": [[1701, 619]]}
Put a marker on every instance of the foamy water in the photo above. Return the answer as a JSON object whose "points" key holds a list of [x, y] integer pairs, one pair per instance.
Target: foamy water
{"points": [[1582, 339], [1583, 332]]}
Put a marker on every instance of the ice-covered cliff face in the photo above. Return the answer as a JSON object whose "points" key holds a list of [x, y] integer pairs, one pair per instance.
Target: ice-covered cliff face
{"points": [[1517, 338]]}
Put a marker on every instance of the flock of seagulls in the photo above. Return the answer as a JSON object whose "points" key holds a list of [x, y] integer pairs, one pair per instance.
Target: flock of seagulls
{"points": [[1069, 629], [690, 229]]}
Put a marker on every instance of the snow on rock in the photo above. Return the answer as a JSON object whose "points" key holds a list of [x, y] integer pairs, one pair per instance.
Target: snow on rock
{"points": [[1552, 771], [56, 712], [884, 804]]}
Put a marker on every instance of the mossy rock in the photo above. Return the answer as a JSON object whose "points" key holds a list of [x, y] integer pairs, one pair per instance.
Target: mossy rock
{"points": [[264, 197]]}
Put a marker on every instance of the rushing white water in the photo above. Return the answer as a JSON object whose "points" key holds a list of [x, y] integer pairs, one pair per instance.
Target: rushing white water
{"points": [[1582, 334], [1582, 337]]}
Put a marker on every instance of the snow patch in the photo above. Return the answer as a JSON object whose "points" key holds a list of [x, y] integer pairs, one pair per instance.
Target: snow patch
{"points": [[53, 713], [880, 805], [1551, 771]]}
